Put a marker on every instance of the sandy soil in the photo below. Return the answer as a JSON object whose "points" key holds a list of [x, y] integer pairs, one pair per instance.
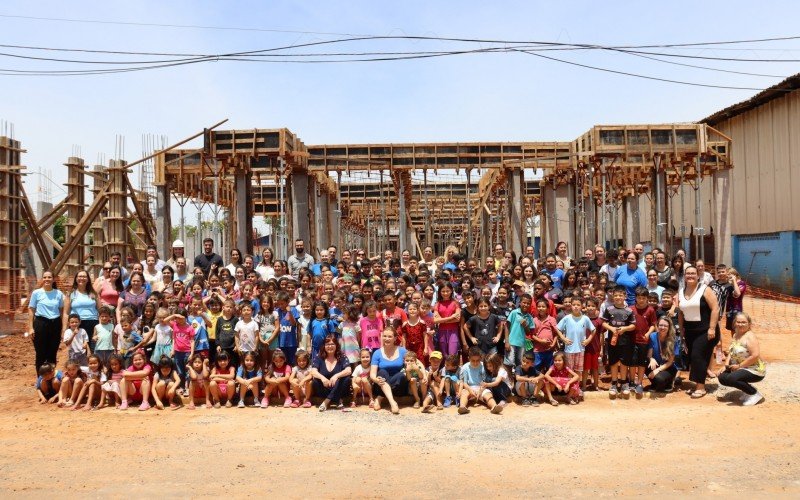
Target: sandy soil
{"points": [[654, 447]]}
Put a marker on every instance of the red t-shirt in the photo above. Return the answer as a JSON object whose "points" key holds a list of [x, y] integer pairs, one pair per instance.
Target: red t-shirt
{"points": [[545, 330], [594, 345], [645, 318], [551, 308]]}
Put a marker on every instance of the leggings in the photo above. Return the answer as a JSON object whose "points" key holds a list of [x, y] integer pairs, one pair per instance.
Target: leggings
{"points": [[663, 380], [46, 340], [333, 394], [88, 326], [181, 358], [448, 339], [700, 352], [740, 379], [397, 382]]}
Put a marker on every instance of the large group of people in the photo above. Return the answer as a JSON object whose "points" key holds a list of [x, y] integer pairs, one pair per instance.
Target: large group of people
{"points": [[350, 330]]}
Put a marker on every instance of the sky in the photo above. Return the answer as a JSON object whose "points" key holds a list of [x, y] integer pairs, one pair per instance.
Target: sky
{"points": [[475, 97]]}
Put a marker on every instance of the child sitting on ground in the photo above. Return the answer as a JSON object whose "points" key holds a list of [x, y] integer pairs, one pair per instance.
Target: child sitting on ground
{"points": [[561, 380], [361, 384], [48, 384], [300, 380], [198, 374], [435, 383], [249, 377], [527, 380], [472, 375], [92, 389], [165, 383], [71, 384], [416, 376], [497, 379], [450, 380]]}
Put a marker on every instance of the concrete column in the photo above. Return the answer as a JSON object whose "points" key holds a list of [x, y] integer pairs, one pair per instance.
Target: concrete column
{"points": [[321, 222], [301, 228], [516, 211], [98, 247], [116, 221], [632, 234], [75, 210], [722, 217], [550, 232], [244, 211], [334, 224], [402, 221], [564, 201], [163, 221], [486, 234], [43, 207]]}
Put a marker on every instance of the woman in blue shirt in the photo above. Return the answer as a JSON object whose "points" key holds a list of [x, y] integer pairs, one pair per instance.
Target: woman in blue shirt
{"points": [[631, 277], [84, 302], [386, 373], [46, 312]]}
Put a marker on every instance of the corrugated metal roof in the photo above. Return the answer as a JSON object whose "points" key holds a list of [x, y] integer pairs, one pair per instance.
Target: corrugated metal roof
{"points": [[789, 85]]}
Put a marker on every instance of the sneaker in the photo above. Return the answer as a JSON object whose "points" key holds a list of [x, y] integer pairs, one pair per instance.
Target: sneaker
{"points": [[265, 403], [744, 397], [322, 407], [241, 404], [626, 389], [448, 401], [287, 403], [144, 406], [526, 402], [124, 405], [639, 390], [612, 391], [534, 402], [457, 402], [753, 400]]}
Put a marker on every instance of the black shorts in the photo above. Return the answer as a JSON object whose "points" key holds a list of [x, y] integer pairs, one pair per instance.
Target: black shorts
{"points": [[640, 355], [501, 393], [622, 352]]}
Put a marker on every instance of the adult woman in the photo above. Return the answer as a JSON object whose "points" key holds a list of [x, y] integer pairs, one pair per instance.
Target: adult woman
{"points": [[450, 254], [84, 302], [134, 296], [167, 278], [279, 268], [111, 288], [652, 283], [104, 275], [152, 276], [177, 252], [561, 254], [678, 268], [181, 270], [405, 260], [236, 260], [46, 320], [698, 317], [663, 271], [264, 268], [631, 277], [529, 276], [386, 371], [331, 374], [240, 277], [661, 368], [744, 364], [447, 315], [735, 304]]}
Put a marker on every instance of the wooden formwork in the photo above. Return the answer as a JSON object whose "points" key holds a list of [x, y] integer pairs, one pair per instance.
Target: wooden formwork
{"points": [[10, 228], [76, 205]]}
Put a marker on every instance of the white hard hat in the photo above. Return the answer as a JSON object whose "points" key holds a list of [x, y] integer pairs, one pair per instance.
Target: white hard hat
{"points": [[177, 244]]}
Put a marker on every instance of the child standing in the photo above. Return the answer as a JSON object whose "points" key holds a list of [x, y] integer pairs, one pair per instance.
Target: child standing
{"points": [[519, 323], [560, 379], [105, 342], [319, 328], [371, 327], [349, 331], [163, 330], [594, 349], [543, 336], [306, 314], [222, 377], [226, 330], [576, 331], [286, 324], [183, 338], [300, 380], [619, 321], [414, 333], [200, 322], [77, 341], [645, 321], [246, 328], [249, 377], [481, 330], [267, 334]]}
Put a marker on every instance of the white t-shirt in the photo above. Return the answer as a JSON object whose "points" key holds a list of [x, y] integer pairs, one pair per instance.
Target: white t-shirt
{"points": [[360, 371], [301, 373], [163, 334], [247, 334], [503, 374], [77, 340]]}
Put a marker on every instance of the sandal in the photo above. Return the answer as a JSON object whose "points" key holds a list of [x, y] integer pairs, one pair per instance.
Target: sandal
{"points": [[295, 404], [553, 402], [353, 404], [698, 394], [307, 404]]}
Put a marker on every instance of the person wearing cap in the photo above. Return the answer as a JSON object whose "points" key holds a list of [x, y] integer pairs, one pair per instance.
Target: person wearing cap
{"points": [[177, 251], [434, 395]]}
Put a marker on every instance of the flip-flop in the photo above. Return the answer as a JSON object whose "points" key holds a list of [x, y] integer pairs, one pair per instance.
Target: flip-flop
{"points": [[698, 394]]}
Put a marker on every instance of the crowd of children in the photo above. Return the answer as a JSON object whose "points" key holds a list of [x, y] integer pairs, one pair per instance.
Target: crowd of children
{"points": [[531, 330]]}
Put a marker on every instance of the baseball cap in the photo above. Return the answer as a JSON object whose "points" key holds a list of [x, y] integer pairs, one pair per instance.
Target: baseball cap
{"points": [[435, 355]]}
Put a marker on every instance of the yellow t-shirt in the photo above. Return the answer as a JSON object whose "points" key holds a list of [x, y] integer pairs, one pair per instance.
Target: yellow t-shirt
{"points": [[212, 330]]}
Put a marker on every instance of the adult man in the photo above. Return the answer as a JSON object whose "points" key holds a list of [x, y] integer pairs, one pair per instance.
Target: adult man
{"points": [[324, 258], [208, 261], [299, 259], [428, 260], [332, 250], [530, 253], [638, 249], [116, 260], [153, 250]]}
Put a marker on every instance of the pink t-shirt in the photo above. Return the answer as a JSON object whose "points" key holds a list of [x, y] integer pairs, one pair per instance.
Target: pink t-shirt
{"points": [[183, 335], [445, 310], [371, 332], [109, 296], [146, 368]]}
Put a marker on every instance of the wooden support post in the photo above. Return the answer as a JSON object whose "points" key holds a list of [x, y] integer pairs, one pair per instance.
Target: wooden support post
{"points": [[75, 208]]}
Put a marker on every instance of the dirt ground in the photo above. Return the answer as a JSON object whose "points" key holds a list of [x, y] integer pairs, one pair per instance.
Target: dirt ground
{"points": [[654, 447]]}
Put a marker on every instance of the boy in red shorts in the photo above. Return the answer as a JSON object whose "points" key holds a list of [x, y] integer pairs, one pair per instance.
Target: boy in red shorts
{"points": [[645, 325], [594, 349]]}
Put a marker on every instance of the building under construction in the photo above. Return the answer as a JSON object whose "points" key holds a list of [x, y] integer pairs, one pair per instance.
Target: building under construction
{"points": [[682, 185]]}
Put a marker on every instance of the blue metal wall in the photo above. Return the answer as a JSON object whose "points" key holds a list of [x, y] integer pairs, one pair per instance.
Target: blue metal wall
{"points": [[770, 260]]}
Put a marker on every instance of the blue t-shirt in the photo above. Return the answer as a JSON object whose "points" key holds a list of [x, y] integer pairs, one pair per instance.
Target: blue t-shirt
{"points": [[472, 376], [200, 333], [556, 276], [58, 376], [83, 305], [240, 372], [516, 333], [391, 366], [319, 329], [630, 279], [575, 330], [47, 304], [288, 334]]}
